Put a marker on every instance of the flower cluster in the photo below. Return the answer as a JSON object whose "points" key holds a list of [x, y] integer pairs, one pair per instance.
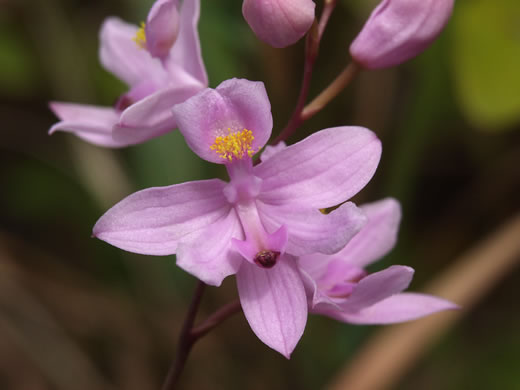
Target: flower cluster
{"points": [[264, 225]]}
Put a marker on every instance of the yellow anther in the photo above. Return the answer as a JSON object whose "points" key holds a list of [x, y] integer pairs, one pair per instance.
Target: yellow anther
{"points": [[234, 145], [140, 37]]}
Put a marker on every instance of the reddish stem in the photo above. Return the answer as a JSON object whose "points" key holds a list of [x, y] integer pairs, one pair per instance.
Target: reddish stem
{"points": [[190, 334], [312, 44]]}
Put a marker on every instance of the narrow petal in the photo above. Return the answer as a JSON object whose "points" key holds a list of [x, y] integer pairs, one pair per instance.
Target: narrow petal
{"points": [[323, 170], [210, 255], [378, 286], [120, 54], [396, 308], [186, 51], [274, 303], [151, 116], [377, 237], [279, 23], [235, 105], [162, 28], [91, 123], [155, 220], [311, 231], [315, 296]]}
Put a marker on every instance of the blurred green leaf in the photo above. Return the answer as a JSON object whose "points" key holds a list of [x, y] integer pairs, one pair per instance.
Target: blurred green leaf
{"points": [[18, 75], [486, 55]]}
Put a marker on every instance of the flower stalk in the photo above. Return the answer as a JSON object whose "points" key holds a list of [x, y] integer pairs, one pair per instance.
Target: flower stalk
{"points": [[312, 44], [329, 93], [190, 334]]}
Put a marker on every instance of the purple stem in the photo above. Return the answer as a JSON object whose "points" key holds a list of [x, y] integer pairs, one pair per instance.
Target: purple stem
{"points": [[186, 340], [312, 44], [190, 334]]}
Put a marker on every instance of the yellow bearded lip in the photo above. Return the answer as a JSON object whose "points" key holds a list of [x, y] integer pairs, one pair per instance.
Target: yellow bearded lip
{"points": [[140, 37], [234, 145]]}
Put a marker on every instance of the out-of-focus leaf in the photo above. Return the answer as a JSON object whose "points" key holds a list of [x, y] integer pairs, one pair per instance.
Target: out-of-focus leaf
{"points": [[17, 73], [486, 55]]}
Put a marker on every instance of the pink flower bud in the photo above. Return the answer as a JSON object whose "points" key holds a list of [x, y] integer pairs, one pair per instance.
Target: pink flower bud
{"points": [[279, 23], [398, 30], [162, 28]]}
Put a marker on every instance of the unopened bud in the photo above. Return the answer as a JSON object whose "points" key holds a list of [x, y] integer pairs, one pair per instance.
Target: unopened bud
{"points": [[279, 23], [398, 30]]}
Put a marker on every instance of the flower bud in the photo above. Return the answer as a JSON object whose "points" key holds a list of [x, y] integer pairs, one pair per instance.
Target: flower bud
{"points": [[279, 23], [398, 30], [162, 28]]}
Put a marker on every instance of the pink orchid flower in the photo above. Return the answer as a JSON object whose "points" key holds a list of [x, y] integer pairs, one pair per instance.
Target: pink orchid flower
{"points": [[162, 64], [398, 30], [339, 287], [279, 23], [255, 224]]}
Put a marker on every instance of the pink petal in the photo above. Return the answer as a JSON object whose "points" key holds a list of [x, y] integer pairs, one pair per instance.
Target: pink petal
{"points": [[162, 27], [186, 52], [210, 255], [396, 308], [323, 170], [270, 151], [234, 105], [153, 221], [151, 116], [377, 237], [317, 297], [378, 286], [398, 30], [279, 23], [274, 303], [91, 123], [310, 230], [120, 54]]}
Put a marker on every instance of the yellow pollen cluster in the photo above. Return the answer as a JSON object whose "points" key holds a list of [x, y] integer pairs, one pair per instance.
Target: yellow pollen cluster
{"points": [[140, 37], [234, 145]]}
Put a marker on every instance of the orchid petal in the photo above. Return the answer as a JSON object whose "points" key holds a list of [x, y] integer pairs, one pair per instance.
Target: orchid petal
{"points": [[310, 230], [186, 51], [210, 255], [235, 105], [396, 308], [162, 28], [91, 123], [153, 221], [120, 54], [151, 116], [321, 171], [271, 150], [274, 303], [377, 237], [378, 286], [315, 295], [279, 23]]}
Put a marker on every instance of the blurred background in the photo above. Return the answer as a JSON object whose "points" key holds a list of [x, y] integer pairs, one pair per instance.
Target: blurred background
{"points": [[76, 313]]}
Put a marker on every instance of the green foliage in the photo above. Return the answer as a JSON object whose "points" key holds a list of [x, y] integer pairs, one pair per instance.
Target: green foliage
{"points": [[18, 73], [486, 61]]}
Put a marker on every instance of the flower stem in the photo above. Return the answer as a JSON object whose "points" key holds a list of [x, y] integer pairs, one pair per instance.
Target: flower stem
{"points": [[312, 44], [216, 319], [186, 340], [329, 93], [190, 334]]}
